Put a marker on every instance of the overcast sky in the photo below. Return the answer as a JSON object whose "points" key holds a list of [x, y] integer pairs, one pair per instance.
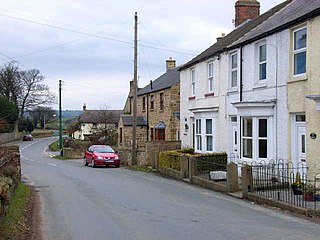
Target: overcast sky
{"points": [[89, 43]]}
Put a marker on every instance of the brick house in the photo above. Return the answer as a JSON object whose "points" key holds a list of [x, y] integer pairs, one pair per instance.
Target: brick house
{"points": [[158, 110]]}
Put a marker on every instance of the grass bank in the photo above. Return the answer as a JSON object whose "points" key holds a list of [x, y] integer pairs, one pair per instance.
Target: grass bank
{"points": [[140, 168], [54, 146], [14, 224]]}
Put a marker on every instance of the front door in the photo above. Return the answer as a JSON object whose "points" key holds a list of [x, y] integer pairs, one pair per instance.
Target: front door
{"points": [[299, 149]]}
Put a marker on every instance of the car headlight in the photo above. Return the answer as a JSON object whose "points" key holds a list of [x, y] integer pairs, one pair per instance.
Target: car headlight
{"points": [[116, 158], [100, 158]]}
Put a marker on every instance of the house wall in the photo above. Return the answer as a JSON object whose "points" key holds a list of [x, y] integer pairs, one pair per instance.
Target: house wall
{"points": [[273, 89], [171, 105], [204, 104], [313, 87]]}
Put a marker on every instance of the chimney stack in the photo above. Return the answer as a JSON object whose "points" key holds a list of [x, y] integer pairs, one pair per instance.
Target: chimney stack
{"points": [[170, 63], [246, 10], [222, 36], [84, 107]]}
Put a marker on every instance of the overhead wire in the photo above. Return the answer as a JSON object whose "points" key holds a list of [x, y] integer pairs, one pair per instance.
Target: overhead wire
{"points": [[97, 36]]}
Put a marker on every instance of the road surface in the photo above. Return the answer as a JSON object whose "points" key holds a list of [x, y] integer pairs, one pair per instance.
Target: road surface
{"points": [[115, 203]]}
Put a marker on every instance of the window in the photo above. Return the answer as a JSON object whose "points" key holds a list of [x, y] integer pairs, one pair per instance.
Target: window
{"points": [[143, 103], [247, 137], [120, 135], [161, 101], [209, 137], [255, 138], [210, 76], [193, 82], [151, 102], [151, 134], [198, 135], [234, 70], [262, 62], [299, 51]]}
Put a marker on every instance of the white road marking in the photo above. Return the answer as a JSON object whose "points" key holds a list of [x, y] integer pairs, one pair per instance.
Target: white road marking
{"points": [[52, 164]]}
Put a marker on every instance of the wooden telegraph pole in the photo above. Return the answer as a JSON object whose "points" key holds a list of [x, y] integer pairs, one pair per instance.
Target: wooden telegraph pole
{"points": [[135, 86]]}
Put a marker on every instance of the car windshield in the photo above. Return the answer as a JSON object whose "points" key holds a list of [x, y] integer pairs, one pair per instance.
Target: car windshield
{"points": [[103, 149]]}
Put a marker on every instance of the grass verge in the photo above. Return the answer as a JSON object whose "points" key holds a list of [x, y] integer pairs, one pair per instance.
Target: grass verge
{"points": [[140, 168], [13, 225], [62, 157], [54, 146]]}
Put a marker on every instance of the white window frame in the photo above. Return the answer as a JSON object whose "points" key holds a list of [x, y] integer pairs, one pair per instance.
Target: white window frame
{"points": [[300, 50], [208, 135], [263, 62], [233, 70], [198, 143], [255, 138], [193, 81], [210, 70]]}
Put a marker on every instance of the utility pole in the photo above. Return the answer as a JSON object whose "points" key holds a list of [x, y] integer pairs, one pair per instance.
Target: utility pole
{"points": [[135, 86], [60, 120]]}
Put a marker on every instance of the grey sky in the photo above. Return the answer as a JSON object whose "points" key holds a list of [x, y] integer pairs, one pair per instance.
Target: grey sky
{"points": [[94, 57]]}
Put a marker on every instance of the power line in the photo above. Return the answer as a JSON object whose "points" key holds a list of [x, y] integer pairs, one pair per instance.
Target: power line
{"points": [[97, 36]]}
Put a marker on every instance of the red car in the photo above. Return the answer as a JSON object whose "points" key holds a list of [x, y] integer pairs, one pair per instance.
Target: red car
{"points": [[101, 155], [27, 137]]}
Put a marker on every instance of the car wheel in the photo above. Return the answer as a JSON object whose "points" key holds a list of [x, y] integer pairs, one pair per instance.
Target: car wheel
{"points": [[92, 163], [85, 162], [116, 166]]}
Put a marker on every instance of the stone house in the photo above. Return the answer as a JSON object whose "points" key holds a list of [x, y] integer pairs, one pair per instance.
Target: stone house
{"points": [[158, 109], [94, 121]]}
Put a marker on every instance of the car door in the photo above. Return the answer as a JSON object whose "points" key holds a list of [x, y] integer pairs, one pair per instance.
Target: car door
{"points": [[89, 154]]}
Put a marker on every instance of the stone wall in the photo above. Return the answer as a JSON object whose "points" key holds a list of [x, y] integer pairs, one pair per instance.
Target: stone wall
{"points": [[10, 174], [127, 136], [10, 137], [73, 153], [125, 155]]}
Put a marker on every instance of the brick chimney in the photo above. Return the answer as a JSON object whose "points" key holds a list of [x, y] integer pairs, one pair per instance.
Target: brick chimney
{"points": [[170, 63], [246, 10], [84, 107]]}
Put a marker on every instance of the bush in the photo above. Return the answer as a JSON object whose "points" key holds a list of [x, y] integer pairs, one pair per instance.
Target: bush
{"points": [[25, 125], [8, 111], [170, 159]]}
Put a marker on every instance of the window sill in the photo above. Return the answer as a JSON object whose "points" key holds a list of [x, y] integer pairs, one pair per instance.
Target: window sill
{"points": [[260, 85], [161, 111], [192, 98], [232, 90], [298, 78], [209, 94]]}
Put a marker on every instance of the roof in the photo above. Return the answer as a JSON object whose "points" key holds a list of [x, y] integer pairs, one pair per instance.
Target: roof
{"points": [[294, 13], [223, 43], [100, 116], [128, 121], [166, 80]]}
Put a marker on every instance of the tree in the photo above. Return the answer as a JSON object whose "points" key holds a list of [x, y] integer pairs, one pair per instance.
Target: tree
{"points": [[42, 115], [34, 93], [25, 125], [10, 83], [24, 88], [9, 114]]}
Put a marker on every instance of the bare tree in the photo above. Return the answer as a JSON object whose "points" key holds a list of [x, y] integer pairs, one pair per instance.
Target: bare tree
{"points": [[33, 93]]}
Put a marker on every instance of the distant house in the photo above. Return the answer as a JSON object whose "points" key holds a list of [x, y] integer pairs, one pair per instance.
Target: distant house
{"points": [[94, 121], [158, 110]]}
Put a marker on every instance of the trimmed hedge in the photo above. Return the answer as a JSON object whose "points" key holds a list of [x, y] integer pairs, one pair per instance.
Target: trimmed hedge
{"points": [[211, 162], [170, 159]]}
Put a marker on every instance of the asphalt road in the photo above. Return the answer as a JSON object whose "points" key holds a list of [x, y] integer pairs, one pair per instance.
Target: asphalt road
{"points": [[115, 203]]}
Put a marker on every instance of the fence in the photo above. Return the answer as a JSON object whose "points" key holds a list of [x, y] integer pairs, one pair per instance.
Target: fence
{"points": [[211, 167], [284, 183]]}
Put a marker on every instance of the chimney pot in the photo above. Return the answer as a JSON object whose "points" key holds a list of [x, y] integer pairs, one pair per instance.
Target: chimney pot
{"points": [[246, 10]]}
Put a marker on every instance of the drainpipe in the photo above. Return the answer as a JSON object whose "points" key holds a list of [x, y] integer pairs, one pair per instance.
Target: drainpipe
{"points": [[241, 73], [147, 116]]}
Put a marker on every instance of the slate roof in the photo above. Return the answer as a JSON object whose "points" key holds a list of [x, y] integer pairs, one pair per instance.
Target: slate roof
{"points": [[128, 121], [236, 34], [100, 116], [294, 13], [166, 80]]}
